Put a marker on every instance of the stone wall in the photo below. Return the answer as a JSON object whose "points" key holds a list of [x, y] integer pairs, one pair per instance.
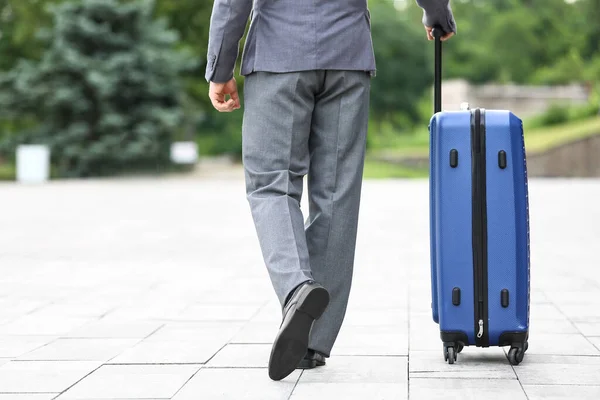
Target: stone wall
{"points": [[575, 159], [579, 158], [524, 101]]}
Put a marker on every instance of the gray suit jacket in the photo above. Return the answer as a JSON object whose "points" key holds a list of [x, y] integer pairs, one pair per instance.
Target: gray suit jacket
{"points": [[299, 35]]}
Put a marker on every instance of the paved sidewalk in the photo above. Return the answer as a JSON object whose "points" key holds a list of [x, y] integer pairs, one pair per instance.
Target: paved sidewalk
{"points": [[155, 289]]}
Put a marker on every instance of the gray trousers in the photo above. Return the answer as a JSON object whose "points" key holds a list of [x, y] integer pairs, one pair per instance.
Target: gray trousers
{"points": [[310, 123]]}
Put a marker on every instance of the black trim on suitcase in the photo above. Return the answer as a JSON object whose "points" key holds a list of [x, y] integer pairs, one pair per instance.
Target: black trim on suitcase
{"points": [[452, 337], [513, 339], [479, 220]]}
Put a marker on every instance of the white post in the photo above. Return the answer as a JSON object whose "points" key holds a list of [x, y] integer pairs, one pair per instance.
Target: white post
{"points": [[33, 163]]}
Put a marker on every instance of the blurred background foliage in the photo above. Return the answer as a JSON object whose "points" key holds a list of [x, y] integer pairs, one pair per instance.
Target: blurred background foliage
{"points": [[109, 83]]}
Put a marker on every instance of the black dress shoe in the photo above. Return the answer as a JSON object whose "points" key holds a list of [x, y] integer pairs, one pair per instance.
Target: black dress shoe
{"points": [[306, 305], [311, 360]]}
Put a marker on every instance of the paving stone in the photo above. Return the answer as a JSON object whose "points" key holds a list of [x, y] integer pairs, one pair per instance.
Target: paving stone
{"points": [[562, 344], [377, 317], [170, 352], [161, 286], [466, 389], [235, 384], [539, 327], [472, 363], [595, 340], [216, 312], [350, 391], [588, 328], [559, 370], [557, 392], [28, 396], [80, 349], [359, 369], [132, 381], [242, 356], [579, 313], [42, 376], [33, 325], [257, 332], [16, 345], [542, 311], [108, 329], [374, 341]]}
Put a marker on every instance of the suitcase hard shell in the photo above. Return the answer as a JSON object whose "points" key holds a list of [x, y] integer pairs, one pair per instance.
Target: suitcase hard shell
{"points": [[479, 225]]}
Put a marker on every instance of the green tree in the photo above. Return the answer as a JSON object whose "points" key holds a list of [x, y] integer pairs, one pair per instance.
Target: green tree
{"points": [[106, 90], [404, 65]]}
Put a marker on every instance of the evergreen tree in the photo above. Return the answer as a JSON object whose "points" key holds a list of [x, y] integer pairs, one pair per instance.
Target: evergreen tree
{"points": [[105, 94]]}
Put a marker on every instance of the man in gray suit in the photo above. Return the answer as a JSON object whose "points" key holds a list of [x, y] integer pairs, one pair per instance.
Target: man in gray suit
{"points": [[308, 66]]}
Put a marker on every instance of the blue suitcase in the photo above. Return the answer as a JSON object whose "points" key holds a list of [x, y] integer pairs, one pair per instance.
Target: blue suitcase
{"points": [[479, 225]]}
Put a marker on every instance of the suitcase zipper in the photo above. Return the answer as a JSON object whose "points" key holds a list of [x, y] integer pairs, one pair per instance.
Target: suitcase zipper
{"points": [[479, 217]]}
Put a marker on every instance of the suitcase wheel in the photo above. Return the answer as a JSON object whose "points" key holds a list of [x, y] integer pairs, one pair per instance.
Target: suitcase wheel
{"points": [[450, 354], [516, 353]]}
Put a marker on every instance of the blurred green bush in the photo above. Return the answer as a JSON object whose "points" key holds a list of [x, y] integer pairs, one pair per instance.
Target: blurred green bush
{"points": [[105, 95]]}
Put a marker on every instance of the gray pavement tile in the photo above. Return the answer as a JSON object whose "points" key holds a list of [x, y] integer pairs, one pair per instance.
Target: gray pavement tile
{"points": [[473, 363], [251, 290], [578, 297], [75, 349], [465, 389], [359, 369], [242, 356], [34, 325], [200, 330], [115, 329], [595, 341], [15, 345], [538, 296], [558, 370], [28, 396], [425, 335], [216, 312], [561, 344], [4, 360], [581, 313], [42, 376], [235, 384], [543, 326], [588, 328], [350, 391], [374, 341], [73, 310], [132, 381], [257, 332], [565, 392], [397, 317], [541, 311], [165, 311], [270, 312], [170, 352]]}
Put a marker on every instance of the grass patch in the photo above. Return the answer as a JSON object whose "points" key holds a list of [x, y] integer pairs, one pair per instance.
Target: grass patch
{"points": [[383, 170], [544, 138], [7, 172]]}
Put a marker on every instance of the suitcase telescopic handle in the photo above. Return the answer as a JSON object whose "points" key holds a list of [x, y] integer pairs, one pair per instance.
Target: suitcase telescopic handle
{"points": [[437, 32]]}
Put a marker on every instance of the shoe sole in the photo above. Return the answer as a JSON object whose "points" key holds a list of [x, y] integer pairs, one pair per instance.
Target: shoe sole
{"points": [[291, 343]]}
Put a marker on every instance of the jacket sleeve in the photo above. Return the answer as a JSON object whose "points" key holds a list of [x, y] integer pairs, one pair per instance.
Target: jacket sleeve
{"points": [[227, 26], [438, 12]]}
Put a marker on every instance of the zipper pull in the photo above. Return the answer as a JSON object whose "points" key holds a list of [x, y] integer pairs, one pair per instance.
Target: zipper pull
{"points": [[480, 333]]}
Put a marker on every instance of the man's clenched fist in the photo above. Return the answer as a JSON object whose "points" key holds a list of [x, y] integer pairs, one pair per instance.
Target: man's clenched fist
{"points": [[217, 93]]}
